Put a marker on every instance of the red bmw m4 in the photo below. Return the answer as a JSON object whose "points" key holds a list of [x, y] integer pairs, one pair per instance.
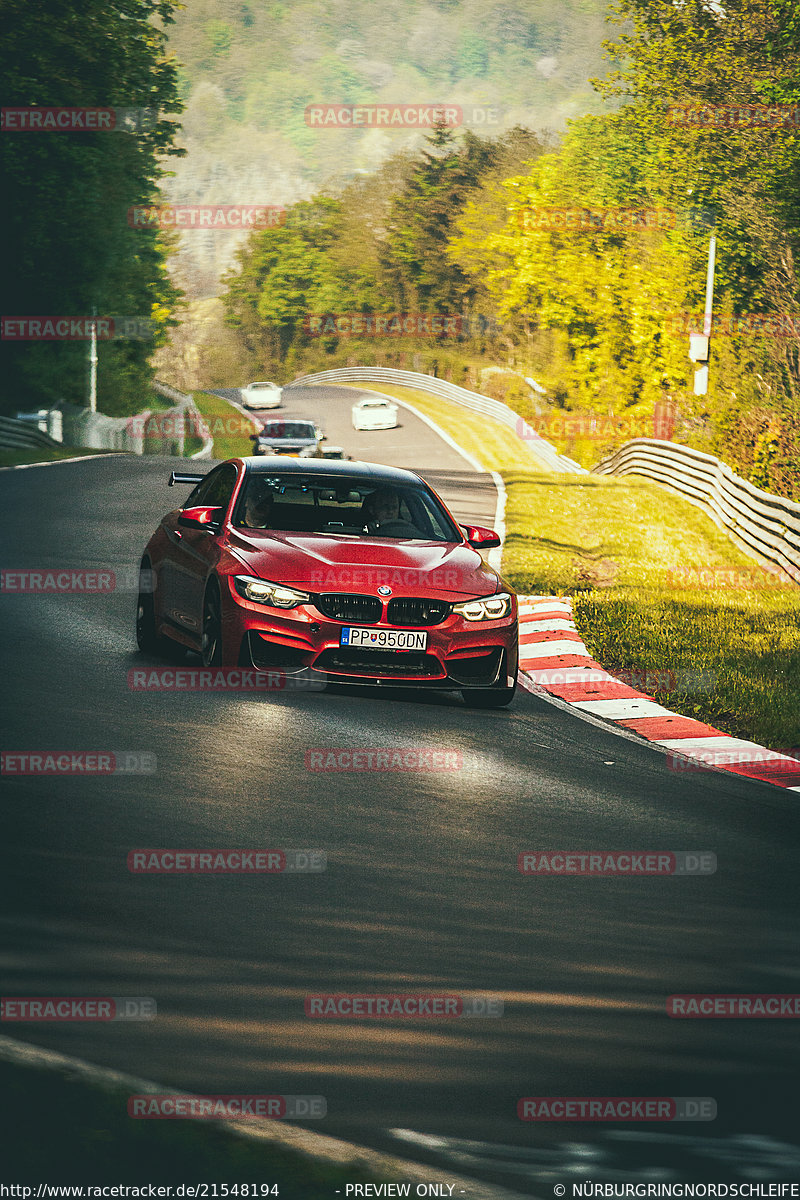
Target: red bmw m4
{"points": [[345, 571]]}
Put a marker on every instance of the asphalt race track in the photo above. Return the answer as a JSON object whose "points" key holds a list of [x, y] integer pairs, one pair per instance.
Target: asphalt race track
{"points": [[411, 445], [422, 891]]}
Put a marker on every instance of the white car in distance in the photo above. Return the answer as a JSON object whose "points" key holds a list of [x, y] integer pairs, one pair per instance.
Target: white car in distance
{"points": [[261, 395], [374, 412]]}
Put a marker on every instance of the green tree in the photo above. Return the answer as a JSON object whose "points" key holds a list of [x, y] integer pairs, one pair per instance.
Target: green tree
{"points": [[421, 220], [69, 245], [473, 57]]}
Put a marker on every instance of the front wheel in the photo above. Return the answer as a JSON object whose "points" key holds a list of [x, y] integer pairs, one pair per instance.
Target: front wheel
{"points": [[211, 645], [148, 638], [488, 697]]}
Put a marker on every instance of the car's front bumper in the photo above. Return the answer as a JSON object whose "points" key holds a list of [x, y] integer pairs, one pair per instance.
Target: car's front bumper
{"points": [[271, 400], [293, 452], [458, 654]]}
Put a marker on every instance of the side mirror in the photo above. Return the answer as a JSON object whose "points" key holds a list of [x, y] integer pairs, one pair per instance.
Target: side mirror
{"points": [[201, 518], [481, 538]]}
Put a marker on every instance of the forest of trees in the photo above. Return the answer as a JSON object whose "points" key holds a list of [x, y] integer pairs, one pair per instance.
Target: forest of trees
{"points": [[248, 70], [463, 226], [459, 223], [69, 250]]}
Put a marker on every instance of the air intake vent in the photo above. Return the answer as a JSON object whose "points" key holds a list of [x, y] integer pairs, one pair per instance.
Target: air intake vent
{"points": [[360, 609], [410, 610]]}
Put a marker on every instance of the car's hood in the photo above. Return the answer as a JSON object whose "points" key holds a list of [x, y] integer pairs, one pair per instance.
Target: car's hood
{"points": [[320, 563]]}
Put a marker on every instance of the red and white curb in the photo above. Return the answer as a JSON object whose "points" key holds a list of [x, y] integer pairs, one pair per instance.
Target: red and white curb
{"points": [[554, 660]]}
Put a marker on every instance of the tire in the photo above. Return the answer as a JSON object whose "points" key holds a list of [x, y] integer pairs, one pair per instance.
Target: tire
{"points": [[499, 697], [211, 643], [148, 638]]}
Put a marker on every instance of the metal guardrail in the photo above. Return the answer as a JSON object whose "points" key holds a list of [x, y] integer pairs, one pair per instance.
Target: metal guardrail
{"points": [[538, 446], [766, 525], [16, 434], [147, 432], [96, 431], [170, 393], [187, 410]]}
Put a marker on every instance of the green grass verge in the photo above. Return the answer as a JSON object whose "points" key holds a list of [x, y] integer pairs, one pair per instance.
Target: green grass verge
{"points": [[626, 550], [657, 586], [61, 1129], [37, 454], [229, 429]]}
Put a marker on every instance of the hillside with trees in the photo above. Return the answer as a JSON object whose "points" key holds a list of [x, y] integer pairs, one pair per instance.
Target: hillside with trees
{"points": [[248, 71], [591, 313]]}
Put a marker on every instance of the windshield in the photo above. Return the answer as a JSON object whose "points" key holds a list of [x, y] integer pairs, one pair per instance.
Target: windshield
{"points": [[288, 429], [348, 507]]}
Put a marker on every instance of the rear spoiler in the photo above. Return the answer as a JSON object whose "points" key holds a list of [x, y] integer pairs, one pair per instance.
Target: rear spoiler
{"points": [[184, 477]]}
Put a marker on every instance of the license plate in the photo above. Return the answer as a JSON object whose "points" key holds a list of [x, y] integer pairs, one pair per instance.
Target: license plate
{"points": [[384, 639]]}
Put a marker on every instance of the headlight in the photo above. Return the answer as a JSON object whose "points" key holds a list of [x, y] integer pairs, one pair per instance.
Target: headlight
{"points": [[487, 608], [260, 591]]}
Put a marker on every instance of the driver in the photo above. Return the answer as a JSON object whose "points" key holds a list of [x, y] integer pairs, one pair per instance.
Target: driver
{"points": [[380, 507], [258, 505], [381, 510]]}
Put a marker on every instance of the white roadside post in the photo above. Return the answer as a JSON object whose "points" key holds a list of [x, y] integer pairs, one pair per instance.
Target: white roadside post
{"points": [[699, 342]]}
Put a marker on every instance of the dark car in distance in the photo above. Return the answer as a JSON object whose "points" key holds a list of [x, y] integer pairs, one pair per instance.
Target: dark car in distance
{"points": [[295, 437]]}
